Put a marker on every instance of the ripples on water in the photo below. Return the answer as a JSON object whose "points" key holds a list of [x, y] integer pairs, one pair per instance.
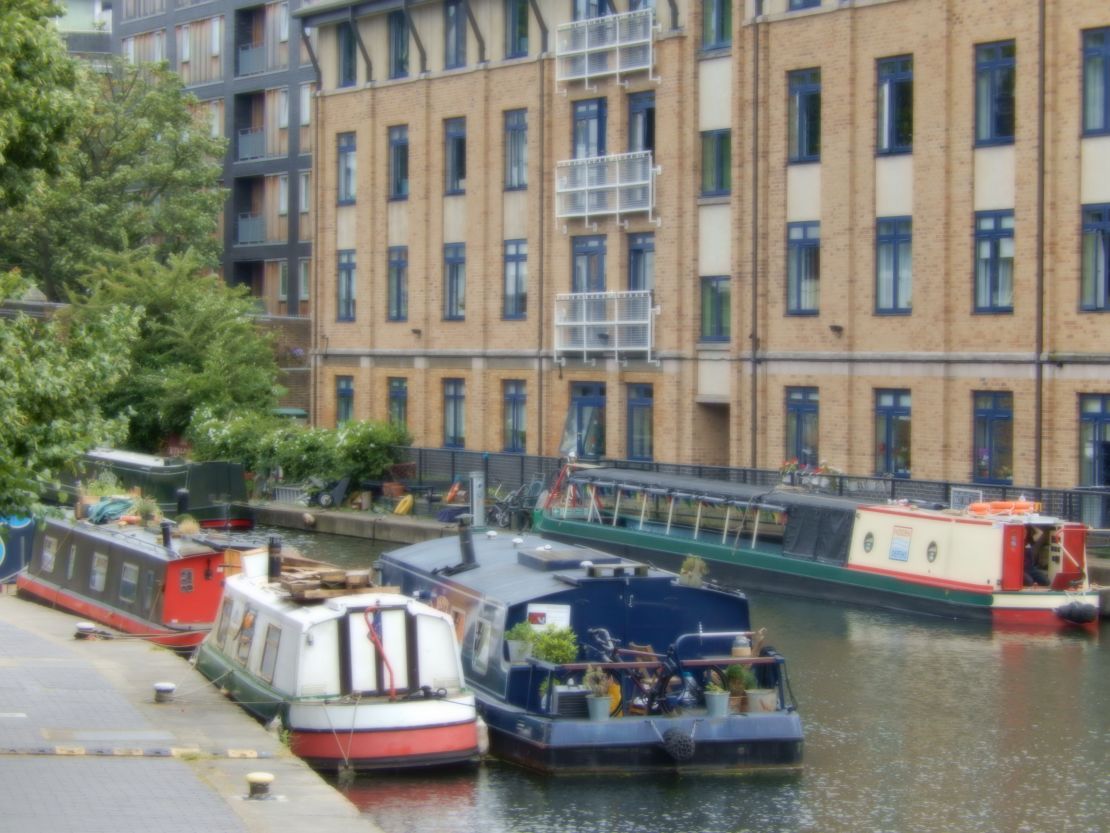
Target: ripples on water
{"points": [[913, 725]]}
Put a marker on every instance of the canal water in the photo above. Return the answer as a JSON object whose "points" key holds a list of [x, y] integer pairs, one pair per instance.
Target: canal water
{"points": [[912, 725]]}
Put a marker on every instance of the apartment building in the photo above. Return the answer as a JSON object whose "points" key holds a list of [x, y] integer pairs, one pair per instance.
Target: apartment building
{"points": [[251, 72], [873, 234]]}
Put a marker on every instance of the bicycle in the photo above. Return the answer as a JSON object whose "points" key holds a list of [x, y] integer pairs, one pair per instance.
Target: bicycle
{"points": [[652, 692]]}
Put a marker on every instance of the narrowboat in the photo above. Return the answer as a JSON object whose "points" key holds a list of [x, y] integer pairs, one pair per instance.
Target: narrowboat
{"points": [[360, 677], [1004, 561], [17, 535], [660, 646], [157, 585]]}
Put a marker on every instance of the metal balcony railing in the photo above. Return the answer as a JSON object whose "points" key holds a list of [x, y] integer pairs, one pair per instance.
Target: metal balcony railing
{"points": [[252, 59], [616, 44], [134, 9], [604, 323], [250, 229], [252, 144], [623, 183]]}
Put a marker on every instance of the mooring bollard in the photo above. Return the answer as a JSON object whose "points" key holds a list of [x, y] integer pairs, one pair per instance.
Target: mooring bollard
{"points": [[163, 692], [259, 783]]}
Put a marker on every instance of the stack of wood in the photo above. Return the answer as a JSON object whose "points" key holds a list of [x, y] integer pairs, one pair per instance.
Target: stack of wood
{"points": [[305, 585]]}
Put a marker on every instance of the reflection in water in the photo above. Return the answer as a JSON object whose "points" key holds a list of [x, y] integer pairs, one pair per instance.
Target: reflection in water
{"points": [[912, 724]]}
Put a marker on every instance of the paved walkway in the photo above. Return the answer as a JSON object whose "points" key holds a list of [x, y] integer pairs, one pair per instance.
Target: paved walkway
{"points": [[84, 747]]}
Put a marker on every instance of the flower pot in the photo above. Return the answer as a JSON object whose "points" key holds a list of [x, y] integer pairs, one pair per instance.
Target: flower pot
{"points": [[762, 700], [598, 707], [716, 703], [519, 649]]}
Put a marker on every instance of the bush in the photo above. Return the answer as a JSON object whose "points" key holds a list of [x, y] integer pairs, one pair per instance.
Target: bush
{"points": [[366, 450], [556, 645]]}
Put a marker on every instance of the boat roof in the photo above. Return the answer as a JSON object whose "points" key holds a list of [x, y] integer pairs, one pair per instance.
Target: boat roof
{"points": [[136, 538]]}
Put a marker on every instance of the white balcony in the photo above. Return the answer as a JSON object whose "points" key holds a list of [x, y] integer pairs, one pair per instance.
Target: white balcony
{"points": [[613, 45], [592, 324], [623, 183]]}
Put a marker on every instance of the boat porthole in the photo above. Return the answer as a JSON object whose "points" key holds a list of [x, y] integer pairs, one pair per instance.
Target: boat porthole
{"points": [[868, 542], [931, 551]]}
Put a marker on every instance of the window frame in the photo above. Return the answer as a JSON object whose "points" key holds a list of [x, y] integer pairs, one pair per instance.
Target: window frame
{"points": [[345, 286], [991, 68], [894, 92], [454, 156], [589, 118], [454, 413], [802, 403], [516, 29], [893, 232], [454, 34], [641, 122], [716, 24], [994, 237], [804, 124], [399, 162], [1094, 430], [1095, 226], [800, 246], [800, 5], [514, 416], [398, 34], [514, 306], [454, 281], [398, 399], [716, 162], [887, 415], [589, 252], [1092, 52], [397, 289], [516, 149], [989, 409], [346, 191], [304, 191], [640, 426], [716, 308], [641, 261], [346, 73], [344, 399], [283, 195]]}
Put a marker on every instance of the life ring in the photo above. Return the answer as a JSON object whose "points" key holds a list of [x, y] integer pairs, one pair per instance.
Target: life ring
{"points": [[1022, 507], [404, 505], [452, 493], [979, 509]]}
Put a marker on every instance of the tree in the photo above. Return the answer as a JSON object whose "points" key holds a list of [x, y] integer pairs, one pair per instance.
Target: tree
{"points": [[37, 103], [140, 169], [199, 349], [52, 375]]}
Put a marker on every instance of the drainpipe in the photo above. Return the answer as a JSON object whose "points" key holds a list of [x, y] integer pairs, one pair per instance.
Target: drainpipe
{"points": [[1038, 405], [416, 37], [314, 325], [754, 381], [543, 228]]}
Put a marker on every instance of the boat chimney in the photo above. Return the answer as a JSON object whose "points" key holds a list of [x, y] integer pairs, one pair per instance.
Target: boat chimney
{"points": [[167, 534], [274, 568], [466, 544], [182, 496]]}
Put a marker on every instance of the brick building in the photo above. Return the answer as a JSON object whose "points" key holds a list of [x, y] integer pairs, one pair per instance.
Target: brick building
{"points": [[869, 232]]}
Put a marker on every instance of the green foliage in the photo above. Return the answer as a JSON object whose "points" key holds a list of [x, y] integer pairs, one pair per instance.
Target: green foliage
{"points": [[596, 680], [140, 168], [741, 678], [521, 632], [105, 484], [37, 104], [367, 449], [146, 508], [244, 438], [52, 377], [556, 645], [304, 452]]}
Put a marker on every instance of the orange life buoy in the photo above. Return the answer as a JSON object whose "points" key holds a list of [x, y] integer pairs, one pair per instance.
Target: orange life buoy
{"points": [[979, 508], [452, 493], [1002, 505], [1023, 506]]}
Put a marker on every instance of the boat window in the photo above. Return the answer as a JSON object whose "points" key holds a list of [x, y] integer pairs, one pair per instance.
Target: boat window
{"points": [[186, 581], [99, 573], [480, 658], [148, 590], [72, 565], [246, 635], [269, 653], [129, 583], [49, 553], [225, 620]]}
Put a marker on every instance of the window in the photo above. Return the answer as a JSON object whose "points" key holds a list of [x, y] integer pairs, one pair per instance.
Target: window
{"points": [[640, 415], [186, 51], [584, 429], [796, 5], [803, 275], [398, 45], [306, 105], [587, 9], [994, 437], [716, 24], [454, 270], [283, 280], [892, 432], [225, 620], [994, 261], [283, 22], [641, 122], [1094, 440], [801, 426], [283, 107], [303, 283], [245, 635], [346, 286], [454, 131], [399, 401], [304, 192], [641, 262], [513, 431], [516, 28], [399, 162], [516, 280], [215, 112], [894, 105], [344, 399], [1096, 258], [1096, 81], [283, 194], [589, 128], [994, 93], [346, 185], [217, 39], [185, 581], [804, 128], [346, 54], [49, 553], [716, 162], [589, 264], [398, 302], [516, 149], [454, 34], [129, 583], [270, 653], [149, 586], [454, 413], [893, 265], [716, 312], [98, 576]]}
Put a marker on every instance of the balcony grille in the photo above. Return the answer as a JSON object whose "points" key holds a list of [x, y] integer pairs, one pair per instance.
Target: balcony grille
{"points": [[252, 59], [250, 229], [616, 44], [252, 144], [623, 183], [591, 324]]}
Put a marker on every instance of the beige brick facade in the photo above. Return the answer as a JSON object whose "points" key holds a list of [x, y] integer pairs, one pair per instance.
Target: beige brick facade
{"points": [[724, 401]]}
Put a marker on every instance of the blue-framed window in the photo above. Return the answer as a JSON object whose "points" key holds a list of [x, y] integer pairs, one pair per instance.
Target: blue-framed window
{"points": [[804, 127], [584, 430], [893, 265], [994, 93], [1096, 81], [516, 28], [399, 401], [892, 432], [894, 105], [802, 411], [589, 128], [1094, 440], [345, 286], [716, 24], [641, 121], [587, 9], [399, 162], [344, 399], [515, 304], [513, 426], [454, 34], [641, 413], [1095, 284], [641, 261], [345, 150], [716, 162], [454, 272], [803, 268], [516, 149], [454, 413], [993, 437], [798, 5], [398, 45], [345, 55], [588, 255], [454, 149], [397, 303], [716, 308], [994, 261]]}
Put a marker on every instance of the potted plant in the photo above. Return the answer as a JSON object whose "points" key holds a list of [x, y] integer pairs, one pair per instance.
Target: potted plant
{"points": [[146, 508], [716, 701], [740, 678], [598, 701], [693, 570], [518, 640], [555, 645]]}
